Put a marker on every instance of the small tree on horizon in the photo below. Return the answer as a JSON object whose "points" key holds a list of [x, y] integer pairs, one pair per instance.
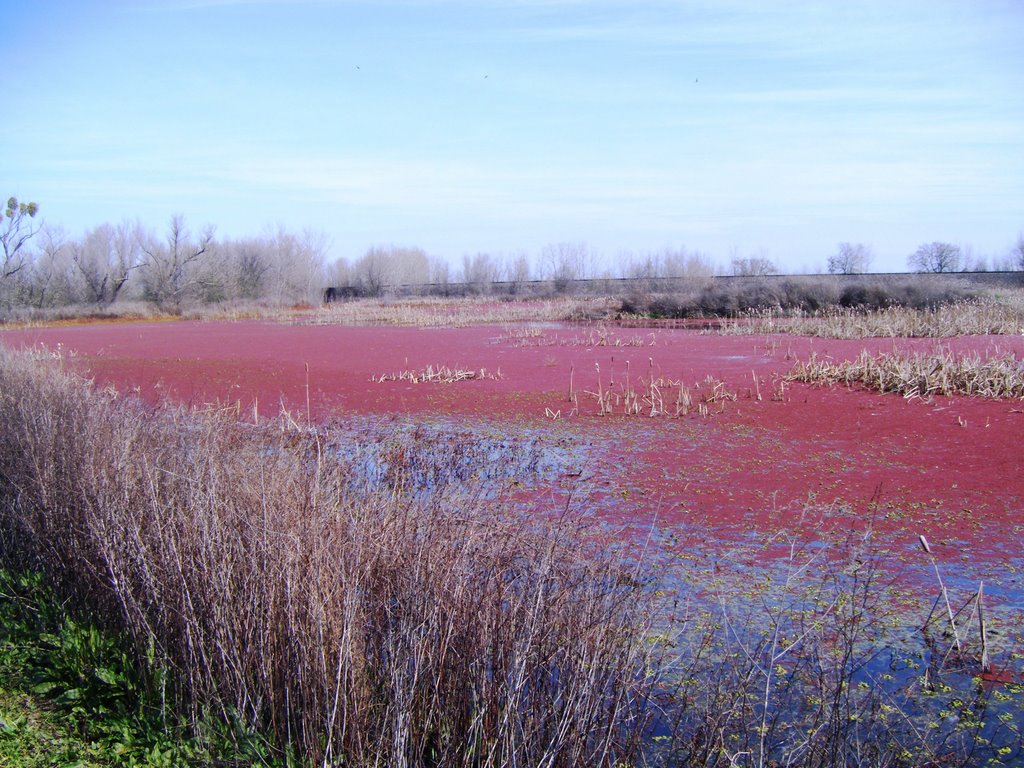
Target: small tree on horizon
{"points": [[565, 262], [480, 271], [935, 257], [850, 259], [1017, 253], [384, 266], [752, 266]]}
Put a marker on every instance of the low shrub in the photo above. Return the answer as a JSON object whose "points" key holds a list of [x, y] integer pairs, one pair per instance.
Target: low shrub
{"points": [[793, 296]]}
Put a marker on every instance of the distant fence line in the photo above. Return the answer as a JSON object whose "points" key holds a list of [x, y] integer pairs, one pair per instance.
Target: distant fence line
{"points": [[603, 286]]}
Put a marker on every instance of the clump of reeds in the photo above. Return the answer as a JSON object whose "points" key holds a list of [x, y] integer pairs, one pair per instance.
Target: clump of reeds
{"points": [[451, 312], [361, 629], [601, 336], [653, 395], [920, 375], [972, 317], [82, 314], [441, 374]]}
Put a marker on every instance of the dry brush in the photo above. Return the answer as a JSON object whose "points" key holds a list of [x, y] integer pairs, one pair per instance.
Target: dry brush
{"points": [[921, 375], [356, 628]]}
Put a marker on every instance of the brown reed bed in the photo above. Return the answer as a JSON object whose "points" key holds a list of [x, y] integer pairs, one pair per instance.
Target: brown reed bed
{"points": [[972, 317], [439, 374], [451, 312], [357, 628], [601, 336], [921, 375]]}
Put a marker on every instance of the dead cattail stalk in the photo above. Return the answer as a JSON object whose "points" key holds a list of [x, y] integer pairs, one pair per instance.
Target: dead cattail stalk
{"points": [[942, 588], [986, 665], [309, 411]]}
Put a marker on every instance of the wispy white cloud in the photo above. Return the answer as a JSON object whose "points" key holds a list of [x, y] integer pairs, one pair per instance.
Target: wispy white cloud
{"points": [[626, 122]]}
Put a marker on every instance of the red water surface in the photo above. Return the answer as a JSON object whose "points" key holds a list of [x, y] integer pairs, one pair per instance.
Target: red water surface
{"points": [[950, 468]]}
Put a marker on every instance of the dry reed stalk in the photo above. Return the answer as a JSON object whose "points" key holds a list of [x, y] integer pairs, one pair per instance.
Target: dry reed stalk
{"points": [[683, 400], [986, 665], [309, 410], [942, 589]]}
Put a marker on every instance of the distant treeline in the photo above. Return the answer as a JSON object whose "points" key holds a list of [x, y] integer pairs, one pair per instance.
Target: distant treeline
{"points": [[43, 268]]}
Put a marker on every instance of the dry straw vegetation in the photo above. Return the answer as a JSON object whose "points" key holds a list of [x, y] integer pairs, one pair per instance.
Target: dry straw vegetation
{"points": [[462, 312], [439, 374], [356, 628], [264, 593], [654, 395], [974, 317], [921, 375]]}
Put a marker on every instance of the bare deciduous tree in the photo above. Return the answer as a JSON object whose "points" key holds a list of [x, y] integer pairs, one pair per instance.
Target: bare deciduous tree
{"points": [[935, 257], [297, 270], [381, 266], [170, 268], [340, 273], [750, 266], [1017, 253], [48, 282], [440, 273], [105, 259], [480, 271], [669, 263], [564, 262], [249, 264], [16, 230], [850, 259], [372, 271], [517, 270]]}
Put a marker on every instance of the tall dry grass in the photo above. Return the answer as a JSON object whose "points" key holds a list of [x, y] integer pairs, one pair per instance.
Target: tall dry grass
{"points": [[921, 375], [448, 312], [975, 317], [350, 628]]}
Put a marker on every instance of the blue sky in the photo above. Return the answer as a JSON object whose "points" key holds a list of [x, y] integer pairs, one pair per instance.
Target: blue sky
{"points": [[726, 126]]}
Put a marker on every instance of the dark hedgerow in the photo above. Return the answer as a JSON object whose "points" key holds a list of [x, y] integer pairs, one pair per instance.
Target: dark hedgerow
{"points": [[810, 295]]}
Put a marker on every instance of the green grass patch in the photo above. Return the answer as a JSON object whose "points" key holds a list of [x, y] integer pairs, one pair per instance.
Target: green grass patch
{"points": [[71, 695]]}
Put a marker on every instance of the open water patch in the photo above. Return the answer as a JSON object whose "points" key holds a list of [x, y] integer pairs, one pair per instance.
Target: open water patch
{"points": [[425, 457]]}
